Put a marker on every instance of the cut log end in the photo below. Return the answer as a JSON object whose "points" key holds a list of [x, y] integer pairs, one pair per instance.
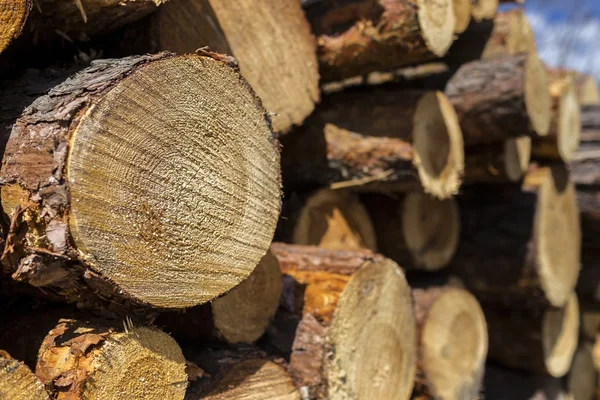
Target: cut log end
{"points": [[17, 382], [560, 330], [437, 23], [454, 346], [568, 129], [373, 350], [588, 90], [334, 219], [438, 145], [255, 379], [484, 9], [583, 377], [87, 361], [160, 234], [431, 229], [462, 15], [13, 15], [537, 97], [559, 239], [517, 154], [243, 314]]}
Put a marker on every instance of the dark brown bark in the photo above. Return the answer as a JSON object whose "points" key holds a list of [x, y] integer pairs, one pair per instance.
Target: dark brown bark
{"points": [[508, 252], [376, 138], [500, 98], [356, 38]]}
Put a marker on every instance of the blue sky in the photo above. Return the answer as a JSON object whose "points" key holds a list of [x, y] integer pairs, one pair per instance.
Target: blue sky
{"points": [[567, 33]]}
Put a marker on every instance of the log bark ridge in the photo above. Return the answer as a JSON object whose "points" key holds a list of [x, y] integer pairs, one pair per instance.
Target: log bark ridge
{"points": [[506, 161], [17, 382], [270, 39], [520, 245], [416, 230], [500, 98], [365, 36], [333, 354], [240, 316], [95, 359], [452, 341], [12, 20], [375, 139], [98, 199], [562, 141], [541, 340]]}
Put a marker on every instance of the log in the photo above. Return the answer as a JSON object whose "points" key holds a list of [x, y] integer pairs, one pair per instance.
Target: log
{"points": [[417, 231], [17, 382], [82, 359], [200, 201], [484, 9], [12, 20], [378, 139], [331, 219], [507, 384], [346, 299], [462, 15], [563, 138], [540, 340], [500, 98], [240, 373], [520, 245], [240, 316], [585, 85], [452, 342], [508, 34], [582, 379], [506, 161], [270, 39], [355, 38]]}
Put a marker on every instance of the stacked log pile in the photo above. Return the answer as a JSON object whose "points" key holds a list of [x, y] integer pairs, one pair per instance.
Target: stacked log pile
{"points": [[286, 199]]}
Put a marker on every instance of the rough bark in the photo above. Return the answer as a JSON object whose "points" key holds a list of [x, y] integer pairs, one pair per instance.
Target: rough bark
{"points": [[505, 161], [270, 39], [333, 354], [17, 382], [564, 135], [508, 384], [355, 38], [378, 138], [508, 34], [240, 316], [500, 98], [13, 15], [415, 230], [331, 219], [239, 372], [520, 245], [99, 359], [80, 230], [452, 342]]}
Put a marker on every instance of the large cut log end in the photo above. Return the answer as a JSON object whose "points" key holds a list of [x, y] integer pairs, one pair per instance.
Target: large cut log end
{"points": [[437, 23], [372, 336], [431, 229], [17, 382], [560, 333], [84, 360], [557, 228], [438, 145], [13, 15], [462, 15], [334, 219], [172, 174], [453, 343], [537, 96], [484, 9], [242, 315]]}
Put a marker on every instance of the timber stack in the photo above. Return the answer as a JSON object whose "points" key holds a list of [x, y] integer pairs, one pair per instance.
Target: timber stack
{"points": [[294, 199]]}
